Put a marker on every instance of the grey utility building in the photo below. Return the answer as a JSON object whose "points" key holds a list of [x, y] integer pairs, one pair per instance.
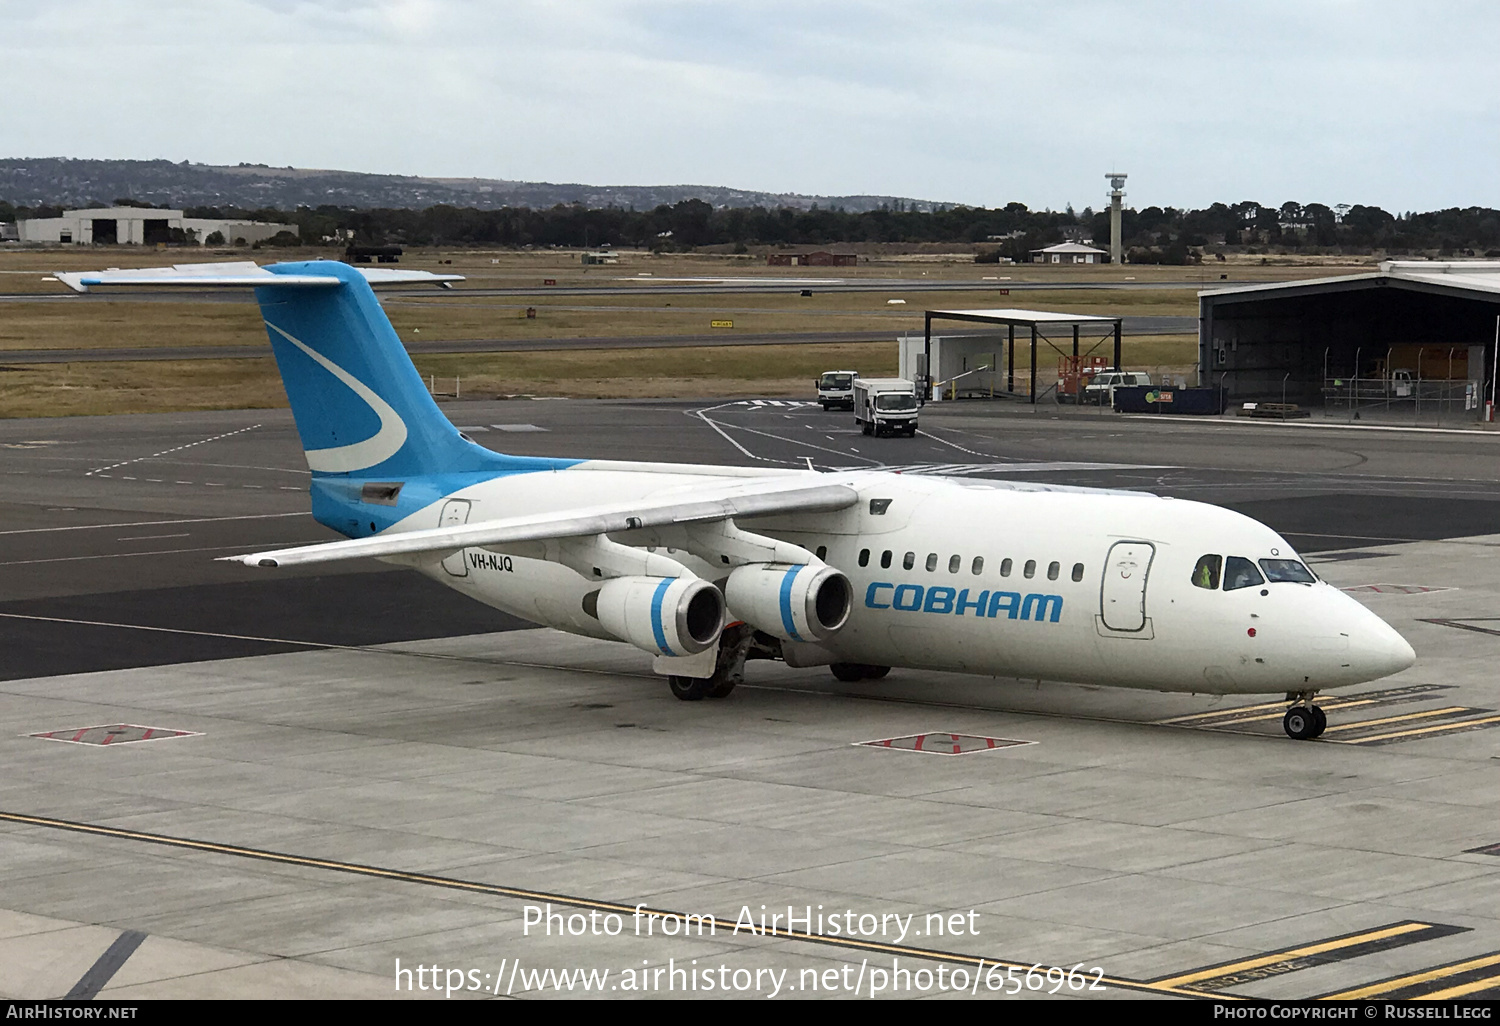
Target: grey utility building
{"points": [[1410, 332]]}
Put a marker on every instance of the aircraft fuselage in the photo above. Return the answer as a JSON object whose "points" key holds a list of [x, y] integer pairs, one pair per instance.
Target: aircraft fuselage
{"points": [[1003, 580]]}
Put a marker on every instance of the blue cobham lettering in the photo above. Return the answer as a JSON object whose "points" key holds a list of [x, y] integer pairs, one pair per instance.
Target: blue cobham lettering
{"points": [[978, 605], [1041, 604], [939, 600], [914, 598], [1009, 601], [911, 591]]}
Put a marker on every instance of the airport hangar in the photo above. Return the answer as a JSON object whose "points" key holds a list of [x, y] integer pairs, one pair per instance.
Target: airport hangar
{"points": [[1296, 338]]}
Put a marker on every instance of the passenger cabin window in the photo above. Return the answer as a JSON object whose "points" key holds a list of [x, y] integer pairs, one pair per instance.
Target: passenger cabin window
{"points": [[1005, 565], [1288, 570], [885, 560], [1239, 572], [1053, 569], [1077, 572], [931, 562], [978, 567], [908, 561], [864, 557], [1030, 570], [1206, 573], [822, 552], [954, 563]]}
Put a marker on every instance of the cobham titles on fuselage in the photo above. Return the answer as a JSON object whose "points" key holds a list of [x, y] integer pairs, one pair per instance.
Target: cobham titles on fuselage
{"points": [[705, 567]]}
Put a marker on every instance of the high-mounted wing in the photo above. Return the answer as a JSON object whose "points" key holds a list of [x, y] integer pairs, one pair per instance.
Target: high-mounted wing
{"points": [[742, 499]]}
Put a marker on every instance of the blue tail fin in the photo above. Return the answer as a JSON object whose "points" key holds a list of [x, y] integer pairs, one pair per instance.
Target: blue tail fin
{"points": [[362, 410]]}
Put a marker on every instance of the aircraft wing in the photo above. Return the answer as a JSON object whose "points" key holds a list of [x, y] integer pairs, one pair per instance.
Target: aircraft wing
{"points": [[740, 499], [241, 274]]}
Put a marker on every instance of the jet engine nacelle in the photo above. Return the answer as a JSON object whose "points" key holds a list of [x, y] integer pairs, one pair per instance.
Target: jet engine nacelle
{"points": [[796, 602], [673, 616]]}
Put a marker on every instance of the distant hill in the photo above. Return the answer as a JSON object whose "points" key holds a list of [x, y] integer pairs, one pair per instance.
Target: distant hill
{"points": [[60, 180]]}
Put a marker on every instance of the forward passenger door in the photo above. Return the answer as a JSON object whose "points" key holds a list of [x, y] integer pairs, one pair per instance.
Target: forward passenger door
{"points": [[1122, 599]]}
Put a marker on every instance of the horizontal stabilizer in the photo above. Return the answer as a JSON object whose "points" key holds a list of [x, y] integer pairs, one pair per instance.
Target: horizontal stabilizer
{"points": [[710, 504], [239, 274]]}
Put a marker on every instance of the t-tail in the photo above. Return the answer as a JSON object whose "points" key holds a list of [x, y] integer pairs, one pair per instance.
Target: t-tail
{"points": [[377, 445]]}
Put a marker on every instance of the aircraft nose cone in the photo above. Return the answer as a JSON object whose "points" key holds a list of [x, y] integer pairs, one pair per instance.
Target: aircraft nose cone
{"points": [[1382, 651], [1401, 655]]}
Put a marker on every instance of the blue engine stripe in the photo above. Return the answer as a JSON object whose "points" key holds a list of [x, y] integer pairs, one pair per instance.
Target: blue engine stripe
{"points": [[787, 623], [656, 625]]}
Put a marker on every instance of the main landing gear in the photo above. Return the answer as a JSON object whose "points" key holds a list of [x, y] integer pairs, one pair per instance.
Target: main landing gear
{"points": [[1304, 721], [693, 689], [738, 642]]}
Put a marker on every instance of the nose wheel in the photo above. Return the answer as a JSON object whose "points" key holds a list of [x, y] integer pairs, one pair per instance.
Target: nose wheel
{"points": [[1304, 722]]}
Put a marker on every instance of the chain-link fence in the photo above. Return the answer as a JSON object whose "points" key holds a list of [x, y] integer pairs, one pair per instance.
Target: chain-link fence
{"points": [[1431, 401]]}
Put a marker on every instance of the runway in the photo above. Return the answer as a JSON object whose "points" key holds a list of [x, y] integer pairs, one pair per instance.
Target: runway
{"points": [[370, 770]]}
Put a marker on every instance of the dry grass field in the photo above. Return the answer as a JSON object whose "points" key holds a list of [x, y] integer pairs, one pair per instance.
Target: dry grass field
{"points": [[53, 390], [117, 325], [58, 390], [417, 316], [85, 389], [706, 372]]}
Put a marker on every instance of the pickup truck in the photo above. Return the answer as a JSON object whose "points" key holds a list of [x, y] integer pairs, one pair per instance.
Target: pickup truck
{"points": [[885, 406], [1100, 391]]}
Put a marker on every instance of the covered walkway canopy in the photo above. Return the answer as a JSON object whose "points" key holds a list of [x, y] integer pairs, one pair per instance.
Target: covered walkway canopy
{"points": [[1038, 323]]}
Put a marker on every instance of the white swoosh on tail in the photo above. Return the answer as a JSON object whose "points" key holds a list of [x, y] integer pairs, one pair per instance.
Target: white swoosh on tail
{"points": [[378, 448]]}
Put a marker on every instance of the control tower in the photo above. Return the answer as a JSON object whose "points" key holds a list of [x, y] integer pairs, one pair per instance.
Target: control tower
{"points": [[1116, 194]]}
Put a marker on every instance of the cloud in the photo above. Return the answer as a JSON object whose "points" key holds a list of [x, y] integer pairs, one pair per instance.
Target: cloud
{"points": [[963, 100]]}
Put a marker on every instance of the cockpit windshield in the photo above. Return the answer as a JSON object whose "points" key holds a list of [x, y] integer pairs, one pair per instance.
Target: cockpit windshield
{"points": [[1287, 570], [1206, 573], [1239, 572], [895, 402]]}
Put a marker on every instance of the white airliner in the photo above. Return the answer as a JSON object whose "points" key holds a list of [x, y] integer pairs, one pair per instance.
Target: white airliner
{"points": [[705, 567]]}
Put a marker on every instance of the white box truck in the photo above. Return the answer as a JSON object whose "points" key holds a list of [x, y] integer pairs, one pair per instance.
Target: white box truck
{"points": [[885, 406], [836, 388]]}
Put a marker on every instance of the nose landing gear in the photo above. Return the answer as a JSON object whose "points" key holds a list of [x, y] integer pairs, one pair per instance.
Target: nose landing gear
{"points": [[1304, 721]]}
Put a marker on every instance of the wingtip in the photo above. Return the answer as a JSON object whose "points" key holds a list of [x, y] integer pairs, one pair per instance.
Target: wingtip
{"points": [[249, 560]]}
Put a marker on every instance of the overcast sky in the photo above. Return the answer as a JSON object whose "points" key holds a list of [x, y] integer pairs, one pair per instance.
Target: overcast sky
{"points": [[971, 101]]}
